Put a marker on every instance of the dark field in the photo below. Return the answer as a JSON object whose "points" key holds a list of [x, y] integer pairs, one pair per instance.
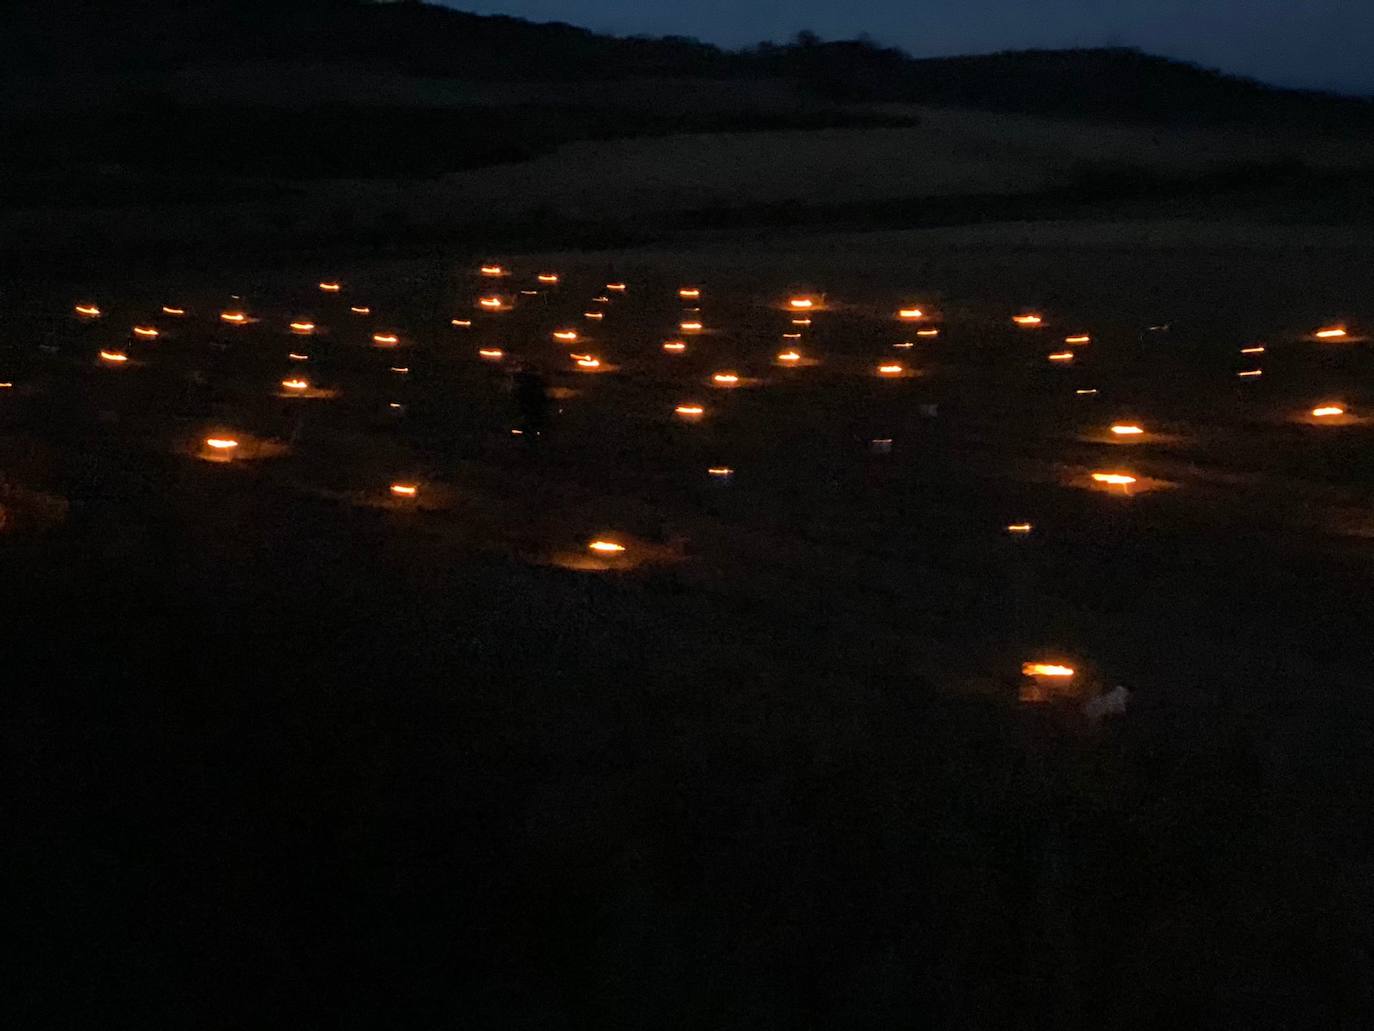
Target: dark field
{"points": [[284, 748]]}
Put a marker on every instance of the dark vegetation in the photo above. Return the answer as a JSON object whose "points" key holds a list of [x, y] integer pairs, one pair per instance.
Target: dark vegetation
{"points": [[139, 121]]}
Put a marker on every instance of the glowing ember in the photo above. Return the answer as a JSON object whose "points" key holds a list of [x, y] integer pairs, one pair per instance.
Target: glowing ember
{"points": [[606, 547], [1114, 479], [801, 304], [361, 310], [296, 384], [1250, 373], [1333, 333], [1123, 429], [404, 490], [927, 332], [911, 313], [689, 293], [1257, 349], [490, 303], [330, 288], [1021, 528], [167, 309], [789, 356], [689, 411], [588, 362], [303, 327], [88, 311], [114, 357], [1090, 392], [401, 370], [891, 369], [690, 327], [234, 318], [6, 386], [616, 287], [1027, 320], [1327, 411], [1061, 356], [461, 323], [146, 332], [1046, 669], [1081, 338], [567, 336], [548, 277], [720, 470], [492, 354], [597, 315], [297, 357], [675, 347], [385, 339], [725, 379], [493, 271], [221, 443], [801, 322]]}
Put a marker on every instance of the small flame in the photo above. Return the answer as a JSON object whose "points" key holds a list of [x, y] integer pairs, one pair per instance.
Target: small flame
{"points": [[675, 346], [1081, 338], [461, 323], [911, 313], [1332, 333], [1250, 373], [720, 470], [404, 490], [1027, 320], [295, 384], [298, 357], [361, 310], [1061, 356], [89, 311], [1328, 411], [548, 277], [1089, 392], [490, 303], [115, 357], [221, 443], [905, 345], [927, 332], [146, 332], [1019, 528], [689, 411], [1046, 669], [725, 379], [616, 287], [401, 370], [1114, 479], [385, 339], [567, 336], [789, 356], [891, 369], [493, 271], [597, 315], [302, 327], [1257, 349], [690, 326], [606, 547], [330, 288], [588, 362], [236, 318], [801, 303], [1124, 429], [801, 322], [167, 309], [689, 293], [492, 353]]}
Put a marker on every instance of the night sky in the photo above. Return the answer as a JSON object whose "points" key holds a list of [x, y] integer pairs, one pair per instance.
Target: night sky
{"points": [[1316, 43]]}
